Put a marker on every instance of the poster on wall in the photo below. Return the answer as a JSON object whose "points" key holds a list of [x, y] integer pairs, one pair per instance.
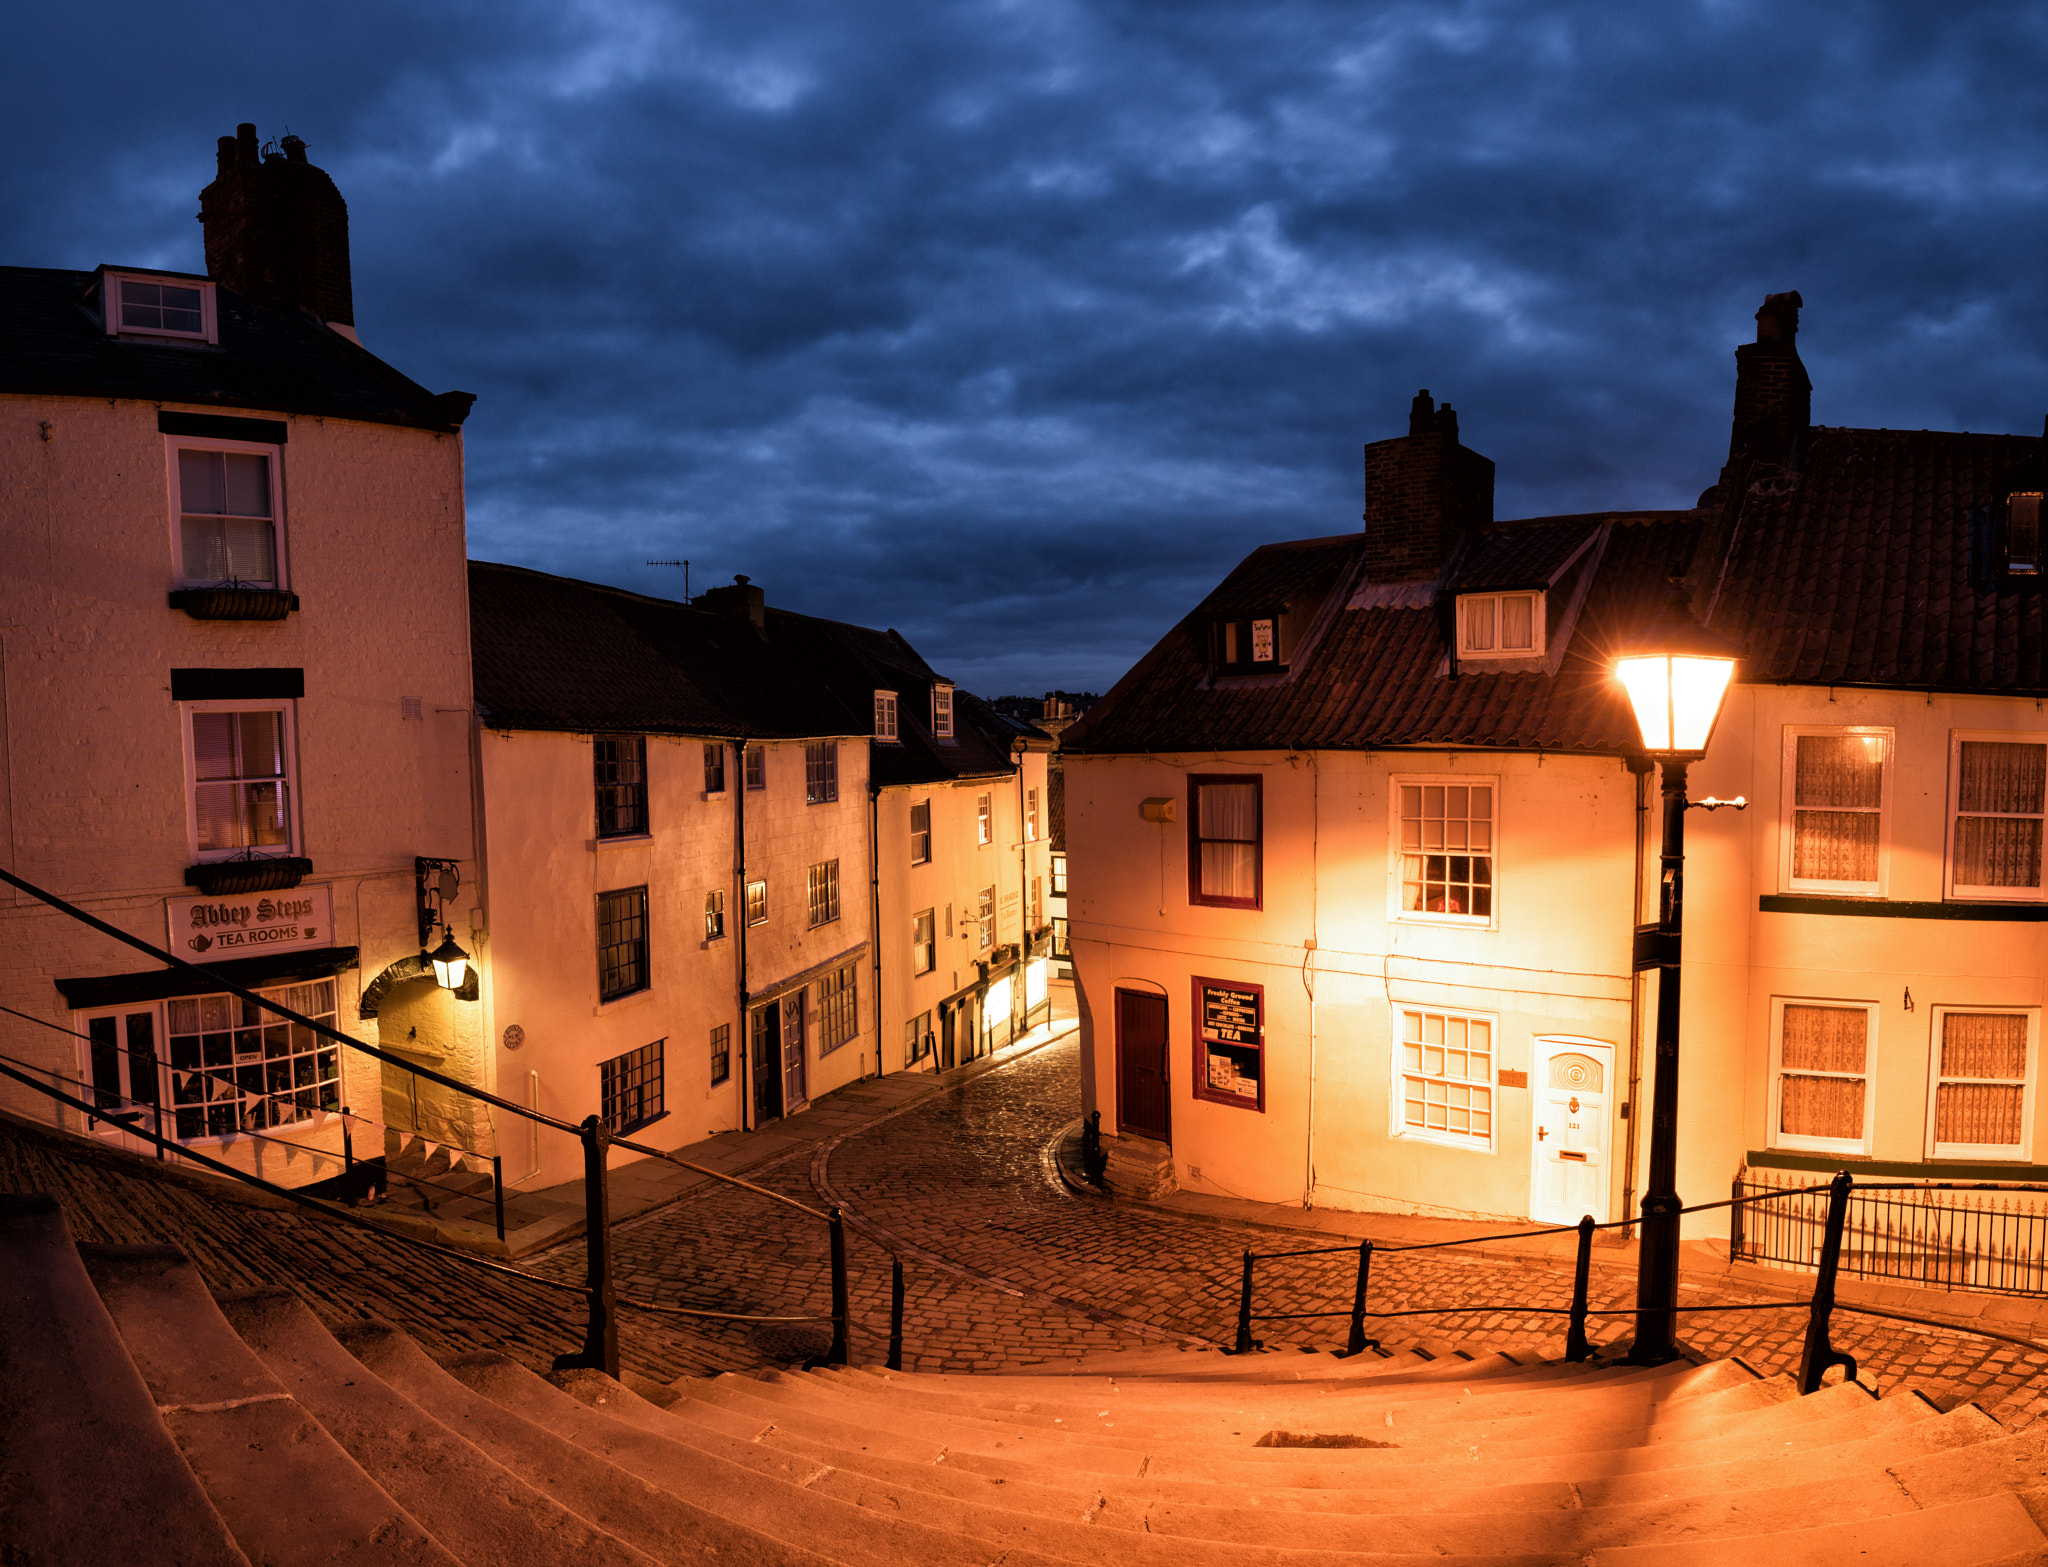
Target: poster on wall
{"points": [[249, 923], [1230, 1043]]}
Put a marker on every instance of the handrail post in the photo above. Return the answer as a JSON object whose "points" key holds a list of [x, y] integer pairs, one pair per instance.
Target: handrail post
{"points": [[498, 1192], [1820, 1354], [895, 1312], [600, 1350], [1735, 1212], [1244, 1310], [838, 1354], [1357, 1343], [1576, 1345]]}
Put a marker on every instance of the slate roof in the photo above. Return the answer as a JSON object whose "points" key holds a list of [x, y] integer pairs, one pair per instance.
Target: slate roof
{"points": [[554, 653], [1375, 672], [1864, 560], [273, 359]]}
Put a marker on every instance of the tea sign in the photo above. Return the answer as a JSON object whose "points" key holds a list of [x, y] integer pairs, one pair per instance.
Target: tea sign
{"points": [[251, 922]]}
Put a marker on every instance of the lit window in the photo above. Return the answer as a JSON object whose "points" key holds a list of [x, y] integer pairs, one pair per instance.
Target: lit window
{"points": [[241, 781], [985, 909], [620, 765], [923, 947], [1223, 841], [1836, 790], [721, 1053], [757, 768], [1037, 902], [984, 819], [1447, 848], [226, 1066], [1030, 815], [1447, 1077], [885, 716], [2023, 533], [227, 516], [757, 903], [838, 1009], [1821, 1083], [917, 1038], [1059, 875], [714, 914], [621, 942], [629, 1088], [1983, 1085], [1500, 625], [823, 893], [714, 768], [1997, 785], [921, 832], [1059, 939], [942, 712], [821, 772]]}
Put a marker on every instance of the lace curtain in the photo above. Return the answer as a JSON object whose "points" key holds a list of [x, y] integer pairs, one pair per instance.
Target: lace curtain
{"points": [[1998, 814], [1228, 826], [1982, 1046], [1832, 1040], [1838, 786]]}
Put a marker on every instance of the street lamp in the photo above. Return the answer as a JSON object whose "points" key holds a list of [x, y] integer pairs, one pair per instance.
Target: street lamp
{"points": [[1676, 673], [451, 963]]}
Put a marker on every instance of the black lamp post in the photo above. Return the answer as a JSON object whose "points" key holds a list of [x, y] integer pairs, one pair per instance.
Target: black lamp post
{"points": [[1677, 674]]}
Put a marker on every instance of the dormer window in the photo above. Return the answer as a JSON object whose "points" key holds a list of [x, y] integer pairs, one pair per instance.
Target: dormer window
{"points": [[942, 712], [1500, 625], [158, 306], [2023, 533], [1251, 646], [885, 716]]}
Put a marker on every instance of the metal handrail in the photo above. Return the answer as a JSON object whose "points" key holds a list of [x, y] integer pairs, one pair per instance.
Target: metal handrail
{"points": [[1819, 1353]]}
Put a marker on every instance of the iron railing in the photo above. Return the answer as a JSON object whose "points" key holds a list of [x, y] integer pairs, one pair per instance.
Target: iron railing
{"points": [[1817, 1357], [600, 1348], [1986, 1236]]}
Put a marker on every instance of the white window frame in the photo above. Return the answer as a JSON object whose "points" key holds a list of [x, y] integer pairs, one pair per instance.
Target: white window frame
{"points": [[287, 707], [1773, 1137], [2023, 1154], [280, 552], [925, 833], [885, 718], [1788, 804], [924, 954], [985, 905], [984, 819], [1397, 1107], [1951, 888], [1469, 603], [1395, 876], [748, 902], [942, 711], [116, 326], [1031, 816]]}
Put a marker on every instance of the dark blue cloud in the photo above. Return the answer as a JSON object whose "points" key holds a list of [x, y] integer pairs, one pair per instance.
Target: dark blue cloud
{"points": [[1013, 324]]}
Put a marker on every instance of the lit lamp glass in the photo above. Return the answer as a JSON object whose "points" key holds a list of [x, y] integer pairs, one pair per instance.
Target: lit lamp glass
{"points": [[1676, 699], [451, 964]]}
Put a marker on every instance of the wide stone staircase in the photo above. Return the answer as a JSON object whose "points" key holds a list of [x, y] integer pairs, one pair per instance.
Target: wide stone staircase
{"points": [[145, 1420]]}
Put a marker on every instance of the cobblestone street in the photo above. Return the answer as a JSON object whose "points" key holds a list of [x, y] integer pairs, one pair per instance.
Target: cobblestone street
{"points": [[1004, 1267]]}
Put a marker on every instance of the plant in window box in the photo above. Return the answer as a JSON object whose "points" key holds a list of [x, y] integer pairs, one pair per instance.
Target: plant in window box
{"points": [[234, 601], [248, 873]]}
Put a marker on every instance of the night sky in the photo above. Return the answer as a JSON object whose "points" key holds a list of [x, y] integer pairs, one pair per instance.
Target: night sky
{"points": [[1013, 326]]}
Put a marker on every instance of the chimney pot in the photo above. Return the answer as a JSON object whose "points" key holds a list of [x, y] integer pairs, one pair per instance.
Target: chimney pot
{"points": [[1773, 397], [1421, 413], [225, 156], [246, 150], [1423, 493], [1447, 422], [294, 148]]}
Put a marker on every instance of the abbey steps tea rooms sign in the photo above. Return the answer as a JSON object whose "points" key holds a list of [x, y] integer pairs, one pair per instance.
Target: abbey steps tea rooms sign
{"points": [[251, 923]]}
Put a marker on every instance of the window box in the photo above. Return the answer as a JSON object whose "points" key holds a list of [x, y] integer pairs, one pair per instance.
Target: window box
{"points": [[234, 603], [1836, 816], [1823, 1092], [230, 878]]}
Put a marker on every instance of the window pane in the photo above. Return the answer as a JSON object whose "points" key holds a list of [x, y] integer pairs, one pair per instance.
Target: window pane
{"points": [[246, 491], [1998, 851], [1517, 622], [1982, 1113], [1822, 1107], [1975, 1044], [1834, 845], [1845, 771], [1825, 1039], [202, 483], [2001, 776], [1479, 624]]}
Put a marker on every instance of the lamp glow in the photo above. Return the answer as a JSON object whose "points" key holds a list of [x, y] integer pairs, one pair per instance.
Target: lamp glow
{"points": [[1676, 673], [451, 964]]}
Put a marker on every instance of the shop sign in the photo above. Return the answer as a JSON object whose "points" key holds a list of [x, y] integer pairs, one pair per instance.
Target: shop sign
{"points": [[1230, 1015], [250, 923]]}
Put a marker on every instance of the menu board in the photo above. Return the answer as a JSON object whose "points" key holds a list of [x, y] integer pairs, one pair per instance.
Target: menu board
{"points": [[1230, 1053], [1230, 1014]]}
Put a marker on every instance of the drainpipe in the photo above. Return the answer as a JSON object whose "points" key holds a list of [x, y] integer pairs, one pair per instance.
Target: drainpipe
{"points": [[1635, 1001], [745, 1044], [1018, 751], [875, 898], [1308, 970]]}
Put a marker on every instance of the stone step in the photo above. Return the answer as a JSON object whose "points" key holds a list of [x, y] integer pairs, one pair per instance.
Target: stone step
{"points": [[480, 1510], [1977, 1533], [288, 1492], [72, 1404], [665, 1526]]}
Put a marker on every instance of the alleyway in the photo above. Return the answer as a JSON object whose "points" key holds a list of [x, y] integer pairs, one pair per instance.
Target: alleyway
{"points": [[1004, 1267]]}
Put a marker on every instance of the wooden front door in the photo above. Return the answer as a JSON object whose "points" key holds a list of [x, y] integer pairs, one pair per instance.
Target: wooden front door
{"points": [[1141, 1102], [765, 1062], [795, 1092]]}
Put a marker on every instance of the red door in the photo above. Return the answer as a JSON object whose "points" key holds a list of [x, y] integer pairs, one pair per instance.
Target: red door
{"points": [[1141, 1065]]}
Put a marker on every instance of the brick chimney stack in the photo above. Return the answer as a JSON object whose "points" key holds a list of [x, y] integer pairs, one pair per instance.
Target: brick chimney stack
{"points": [[1423, 493], [742, 600], [277, 229], [1773, 397]]}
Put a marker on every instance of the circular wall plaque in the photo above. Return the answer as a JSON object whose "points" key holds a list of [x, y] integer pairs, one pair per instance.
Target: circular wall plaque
{"points": [[515, 1036]]}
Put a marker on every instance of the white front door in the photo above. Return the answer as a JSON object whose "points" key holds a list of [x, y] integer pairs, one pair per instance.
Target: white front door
{"points": [[1568, 1142]]}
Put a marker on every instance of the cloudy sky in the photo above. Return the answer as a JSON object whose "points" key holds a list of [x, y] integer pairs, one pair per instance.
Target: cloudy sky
{"points": [[1013, 325]]}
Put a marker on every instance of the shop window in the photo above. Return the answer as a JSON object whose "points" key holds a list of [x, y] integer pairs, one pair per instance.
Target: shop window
{"points": [[1230, 1043]]}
